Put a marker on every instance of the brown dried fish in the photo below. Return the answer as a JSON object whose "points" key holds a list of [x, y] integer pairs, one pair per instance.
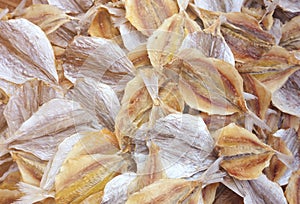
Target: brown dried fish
{"points": [[102, 26], [145, 99], [210, 85], [245, 156], [167, 191], [290, 36], [49, 18], [293, 189], [165, 42], [273, 68], [148, 15]]}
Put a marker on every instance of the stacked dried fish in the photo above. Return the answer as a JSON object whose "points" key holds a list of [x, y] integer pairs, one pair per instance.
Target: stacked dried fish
{"points": [[149, 101]]}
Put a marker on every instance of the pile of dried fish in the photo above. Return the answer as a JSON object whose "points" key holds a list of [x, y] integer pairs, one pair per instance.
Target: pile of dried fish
{"points": [[149, 101]]}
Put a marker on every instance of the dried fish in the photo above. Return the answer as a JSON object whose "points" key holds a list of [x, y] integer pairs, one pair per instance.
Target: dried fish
{"points": [[288, 96], [261, 104], [148, 15], [163, 191], [150, 101], [72, 6], [98, 99], [164, 43], [292, 189], [273, 68], [116, 189], [102, 26], [207, 84], [99, 59], [20, 41], [184, 142], [245, 156], [26, 101], [48, 18], [221, 6], [257, 190], [210, 45], [152, 170], [145, 99], [290, 37]]}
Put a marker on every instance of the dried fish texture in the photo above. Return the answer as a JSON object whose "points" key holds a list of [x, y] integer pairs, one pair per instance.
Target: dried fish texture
{"points": [[74, 146], [210, 45], [245, 37], [287, 98], [165, 42], [290, 36], [72, 6], [273, 68], [132, 38], [147, 98], [100, 59], [166, 191], [226, 196], [150, 101], [27, 51], [243, 34], [245, 156], [26, 101], [13, 4], [277, 169], [116, 189], [221, 6], [148, 15], [8, 188], [90, 175], [49, 120], [261, 103], [291, 6], [260, 190], [49, 18], [31, 167], [292, 142], [293, 189], [98, 99], [151, 171], [64, 34], [139, 56], [184, 142], [102, 25], [210, 85]]}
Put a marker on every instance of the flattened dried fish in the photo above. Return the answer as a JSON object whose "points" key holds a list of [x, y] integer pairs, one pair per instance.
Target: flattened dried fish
{"points": [[184, 141], [26, 101], [48, 18], [287, 98], [293, 189], [290, 36], [102, 25], [245, 156], [206, 84], [164, 191], [98, 99], [100, 59], [210, 45], [148, 15], [164, 43], [27, 51]]}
